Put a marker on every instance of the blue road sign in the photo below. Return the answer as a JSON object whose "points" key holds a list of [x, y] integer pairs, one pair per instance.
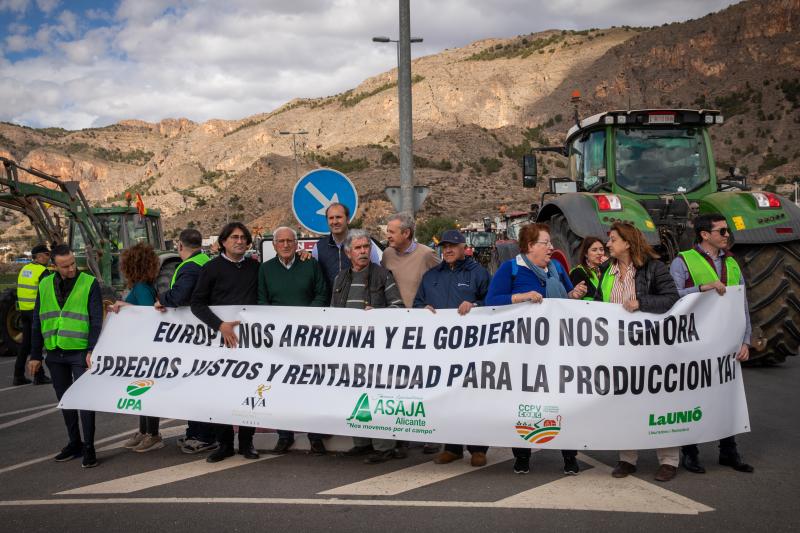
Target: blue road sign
{"points": [[315, 191]]}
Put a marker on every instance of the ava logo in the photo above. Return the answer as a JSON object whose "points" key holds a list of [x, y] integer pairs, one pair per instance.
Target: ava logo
{"points": [[258, 400], [540, 431], [135, 389], [361, 411]]}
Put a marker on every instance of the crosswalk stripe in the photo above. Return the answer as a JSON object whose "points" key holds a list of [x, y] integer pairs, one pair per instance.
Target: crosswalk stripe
{"points": [[417, 476], [27, 410], [163, 476], [29, 417], [596, 490]]}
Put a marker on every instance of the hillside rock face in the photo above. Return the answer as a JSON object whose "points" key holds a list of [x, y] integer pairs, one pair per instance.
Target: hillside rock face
{"points": [[473, 108]]}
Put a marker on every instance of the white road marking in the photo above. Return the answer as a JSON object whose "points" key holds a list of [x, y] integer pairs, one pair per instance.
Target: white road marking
{"points": [[16, 387], [27, 410], [12, 360], [399, 481], [163, 476], [596, 490], [50, 457], [29, 417]]}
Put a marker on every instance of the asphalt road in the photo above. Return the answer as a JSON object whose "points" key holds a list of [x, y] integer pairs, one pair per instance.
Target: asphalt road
{"points": [[166, 490]]}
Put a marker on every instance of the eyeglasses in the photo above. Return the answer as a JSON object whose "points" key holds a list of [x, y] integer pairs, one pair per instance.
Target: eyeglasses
{"points": [[722, 231], [238, 238], [548, 244], [286, 241]]}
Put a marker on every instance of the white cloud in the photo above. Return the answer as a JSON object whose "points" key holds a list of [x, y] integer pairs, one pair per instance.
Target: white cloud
{"points": [[157, 58], [47, 6]]}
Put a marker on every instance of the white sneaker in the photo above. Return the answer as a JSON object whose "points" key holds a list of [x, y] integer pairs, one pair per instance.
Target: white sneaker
{"points": [[134, 441], [150, 443]]}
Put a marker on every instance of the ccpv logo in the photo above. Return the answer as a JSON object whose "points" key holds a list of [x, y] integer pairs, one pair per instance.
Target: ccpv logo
{"points": [[541, 431], [134, 390]]}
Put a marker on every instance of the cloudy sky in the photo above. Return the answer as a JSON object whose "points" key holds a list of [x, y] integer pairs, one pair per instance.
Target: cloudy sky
{"points": [[85, 63]]}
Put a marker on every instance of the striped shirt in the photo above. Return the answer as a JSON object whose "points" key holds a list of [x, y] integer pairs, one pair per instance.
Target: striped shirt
{"points": [[357, 296], [624, 286]]}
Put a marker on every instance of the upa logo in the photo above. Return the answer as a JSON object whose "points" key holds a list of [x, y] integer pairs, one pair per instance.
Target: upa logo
{"points": [[538, 424], [134, 390], [258, 400]]}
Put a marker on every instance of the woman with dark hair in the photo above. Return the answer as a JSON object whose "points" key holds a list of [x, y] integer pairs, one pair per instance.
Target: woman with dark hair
{"points": [[139, 265], [530, 277], [639, 282], [591, 255]]}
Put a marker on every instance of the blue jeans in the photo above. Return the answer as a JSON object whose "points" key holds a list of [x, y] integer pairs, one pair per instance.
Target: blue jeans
{"points": [[65, 368]]}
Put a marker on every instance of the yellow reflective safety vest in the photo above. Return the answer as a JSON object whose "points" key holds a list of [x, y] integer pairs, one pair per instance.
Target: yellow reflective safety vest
{"points": [[591, 276], [607, 284], [702, 273], [28, 285], [198, 259], [67, 328]]}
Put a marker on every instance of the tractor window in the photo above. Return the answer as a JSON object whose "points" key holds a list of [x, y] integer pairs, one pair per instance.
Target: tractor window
{"points": [[137, 229], [588, 159], [659, 161]]}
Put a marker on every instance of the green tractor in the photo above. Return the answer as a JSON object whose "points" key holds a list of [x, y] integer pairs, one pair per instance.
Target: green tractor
{"points": [[59, 212], [655, 169]]}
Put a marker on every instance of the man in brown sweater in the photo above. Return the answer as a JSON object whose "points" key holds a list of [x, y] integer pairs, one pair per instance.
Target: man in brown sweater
{"points": [[407, 259]]}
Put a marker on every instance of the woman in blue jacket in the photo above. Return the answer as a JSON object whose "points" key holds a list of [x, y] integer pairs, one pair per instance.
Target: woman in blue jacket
{"points": [[530, 277]]}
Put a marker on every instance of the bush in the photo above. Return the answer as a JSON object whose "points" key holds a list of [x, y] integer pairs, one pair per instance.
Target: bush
{"points": [[427, 229], [388, 158]]}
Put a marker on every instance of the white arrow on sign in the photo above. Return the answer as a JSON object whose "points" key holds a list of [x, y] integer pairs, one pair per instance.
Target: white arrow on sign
{"points": [[321, 198]]}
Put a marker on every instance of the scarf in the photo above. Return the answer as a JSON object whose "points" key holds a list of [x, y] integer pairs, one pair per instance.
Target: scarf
{"points": [[549, 279]]}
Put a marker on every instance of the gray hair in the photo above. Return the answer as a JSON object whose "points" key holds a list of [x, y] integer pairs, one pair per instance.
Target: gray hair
{"points": [[355, 235], [282, 228], [406, 222]]}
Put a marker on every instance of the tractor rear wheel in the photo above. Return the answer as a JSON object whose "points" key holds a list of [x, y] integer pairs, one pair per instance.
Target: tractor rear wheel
{"points": [[565, 239], [772, 274], [10, 324]]}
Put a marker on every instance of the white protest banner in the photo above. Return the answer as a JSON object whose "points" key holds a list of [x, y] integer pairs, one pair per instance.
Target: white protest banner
{"points": [[563, 374]]}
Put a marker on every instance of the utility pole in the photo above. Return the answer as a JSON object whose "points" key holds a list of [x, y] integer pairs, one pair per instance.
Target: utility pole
{"points": [[294, 135], [404, 102]]}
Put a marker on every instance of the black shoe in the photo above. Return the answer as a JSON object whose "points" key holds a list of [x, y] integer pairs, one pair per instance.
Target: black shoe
{"points": [[89, 457], [221, 453], [571, 467], [691, 463], [357, 451], [429, 447], [401, 451], [248, 451], [735, 461], [282, 446], [379, 457], [522, 465], [42, 380], [69, 452], [317, 447], [20, 381]]}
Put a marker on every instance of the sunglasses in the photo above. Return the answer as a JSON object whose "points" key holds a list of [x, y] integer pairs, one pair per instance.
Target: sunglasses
{"points": [[722, 231]]}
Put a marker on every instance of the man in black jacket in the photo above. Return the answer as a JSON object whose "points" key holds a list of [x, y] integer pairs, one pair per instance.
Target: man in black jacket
{"points": [[199, 435], [230, 279], [366, 285]]}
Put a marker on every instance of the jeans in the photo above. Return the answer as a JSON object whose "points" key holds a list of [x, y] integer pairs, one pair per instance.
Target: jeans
{"points": [[202, 431], [224, 434], [64, 370], [149, 425], [380, 445], [526, 452], [458, 449], [727, 447], [283, 434]]}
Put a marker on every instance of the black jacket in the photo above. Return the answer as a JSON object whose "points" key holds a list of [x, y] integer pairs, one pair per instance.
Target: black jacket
{"points": [[382, 289], [655, 288]]}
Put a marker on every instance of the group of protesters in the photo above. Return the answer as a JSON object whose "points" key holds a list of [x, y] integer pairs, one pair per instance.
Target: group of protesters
{"points": [[344, 269]]}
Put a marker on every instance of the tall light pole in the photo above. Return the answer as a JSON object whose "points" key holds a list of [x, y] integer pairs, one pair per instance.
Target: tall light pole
{"points": [[294, 135], [406, 200]]}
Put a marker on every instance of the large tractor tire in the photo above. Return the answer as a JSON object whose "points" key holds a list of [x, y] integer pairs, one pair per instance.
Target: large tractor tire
{"points": [[564, 239], [772, 274], [165, 275], [10, 324]]}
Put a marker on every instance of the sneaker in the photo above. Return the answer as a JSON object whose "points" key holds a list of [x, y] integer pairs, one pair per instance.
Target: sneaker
{"points": [[248, 450], [134, 441], [69, 452], [181, 442], [89, 457], [42, 380], [150, 443], [571, 467], [522, 465], [20, 381], [221, 453], [192, 446], [317, 447], [401, 450], [282, 446], [379, 456], [478, 459], [447, 457]]}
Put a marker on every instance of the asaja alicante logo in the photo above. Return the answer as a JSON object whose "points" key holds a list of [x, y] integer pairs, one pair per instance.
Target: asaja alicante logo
{"points": [[258, 398], [134, 390], [387, 413], [538, 424]]}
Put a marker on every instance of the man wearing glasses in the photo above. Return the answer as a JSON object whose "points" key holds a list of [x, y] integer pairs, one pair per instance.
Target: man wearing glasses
{"points": [[285, 280], [710, 267]]}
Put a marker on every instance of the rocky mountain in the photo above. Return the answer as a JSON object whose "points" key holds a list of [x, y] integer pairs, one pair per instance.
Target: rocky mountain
{"points": [[476, 110]]}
